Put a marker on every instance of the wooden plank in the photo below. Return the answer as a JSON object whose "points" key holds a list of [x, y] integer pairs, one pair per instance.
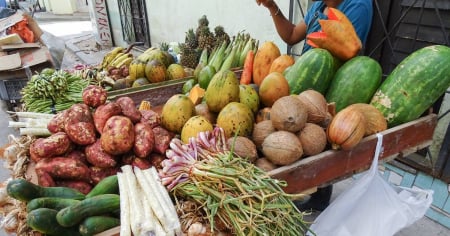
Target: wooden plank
{"points": [[331, 165]]}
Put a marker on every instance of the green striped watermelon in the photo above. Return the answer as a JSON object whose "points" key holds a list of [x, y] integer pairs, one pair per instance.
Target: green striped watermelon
{"points": [[354, 82], [313, 70], [414, 85]]}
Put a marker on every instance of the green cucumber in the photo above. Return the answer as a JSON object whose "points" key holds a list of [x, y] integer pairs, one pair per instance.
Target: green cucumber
{"points": [[44, 221], [354, 82], [106, 185], [55, 203], [414, 85], [96, 205], [313, 70], [24, 190], [96, 224]]}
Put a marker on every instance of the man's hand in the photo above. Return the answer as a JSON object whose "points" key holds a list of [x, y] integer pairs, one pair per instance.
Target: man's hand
{"points": [[266, 3]]}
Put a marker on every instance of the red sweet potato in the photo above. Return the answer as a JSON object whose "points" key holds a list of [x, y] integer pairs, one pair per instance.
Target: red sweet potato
{"points": [[151, 118], [118, 135], [81, 133], [82, 186], [129, 108], [98, 157], [57, 123], [64, 168], [94, 95], [141, 163], [44, 178], [77, 155], [144, 140], [162, 139], [103, 113], [127, 158], [79, 112], [55, 145], [97, 173], [156, 159]]}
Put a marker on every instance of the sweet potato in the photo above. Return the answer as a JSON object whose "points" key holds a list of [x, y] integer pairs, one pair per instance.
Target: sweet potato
{"points": [[82, 186], [144, 140], [162, 139], [156, 159], [103, 113], [141, 163], [97, 173], [94, 95], [118, 135], [77, 155], [79, 112], [57, 123], [127, 158], [44, 178], [151, 118], [81, 133], [55, 145], [98, 157], [64, 168], [129, 108]]}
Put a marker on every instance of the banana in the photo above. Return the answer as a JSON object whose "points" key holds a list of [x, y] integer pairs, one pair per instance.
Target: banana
{"points": [[119, 59], [144, 57], [126, 62], [150, 49], [110, 56], [136, 69]]}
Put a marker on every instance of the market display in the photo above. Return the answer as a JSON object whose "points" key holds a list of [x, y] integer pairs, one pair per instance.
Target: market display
{"points": [[199, 163]]}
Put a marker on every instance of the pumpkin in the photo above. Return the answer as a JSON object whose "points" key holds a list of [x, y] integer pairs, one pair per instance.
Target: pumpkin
{"points": [[346, 129]]}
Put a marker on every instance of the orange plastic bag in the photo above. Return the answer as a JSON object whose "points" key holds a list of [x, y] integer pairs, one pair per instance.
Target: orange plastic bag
{"points": [[338, 36], [21, 28]]}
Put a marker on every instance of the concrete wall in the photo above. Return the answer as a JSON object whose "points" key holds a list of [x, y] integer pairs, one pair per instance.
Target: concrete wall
{"points": [[169, 20]]}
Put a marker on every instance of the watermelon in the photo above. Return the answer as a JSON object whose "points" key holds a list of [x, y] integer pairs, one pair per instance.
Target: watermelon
{"points": [[313, 70], [354, 82], [414, 85]]}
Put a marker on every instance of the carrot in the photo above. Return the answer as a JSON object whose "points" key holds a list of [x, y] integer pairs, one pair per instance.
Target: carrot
{"points": [[246, 76]]}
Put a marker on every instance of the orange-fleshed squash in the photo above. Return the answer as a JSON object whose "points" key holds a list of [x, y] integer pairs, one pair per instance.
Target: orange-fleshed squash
{"points": [[346, 129], [375, 121], [264, 57], [337, 36]]}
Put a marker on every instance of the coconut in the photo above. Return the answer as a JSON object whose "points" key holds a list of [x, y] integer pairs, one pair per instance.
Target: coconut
{"points": [[289, 114], [263, 114], [264, 164], [316, 104], [313, 139], [243, 147], [282, 148], [261, 131]]}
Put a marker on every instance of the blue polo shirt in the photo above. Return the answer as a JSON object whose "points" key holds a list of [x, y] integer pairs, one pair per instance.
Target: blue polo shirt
{"points": [[359, 12]]}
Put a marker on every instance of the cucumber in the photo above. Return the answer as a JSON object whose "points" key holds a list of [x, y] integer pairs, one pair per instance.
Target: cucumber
{"points": [[55, 203], [96, 205], [97, 224], [44, 221], [106, 185], [26, 191]]}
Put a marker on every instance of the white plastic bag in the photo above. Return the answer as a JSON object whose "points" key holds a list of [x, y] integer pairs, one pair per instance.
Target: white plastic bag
{"points": [[372, 206]]}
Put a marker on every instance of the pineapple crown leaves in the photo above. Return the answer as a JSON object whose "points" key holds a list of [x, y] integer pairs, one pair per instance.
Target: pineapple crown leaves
{"points": [[203, 21], [163, 46]]}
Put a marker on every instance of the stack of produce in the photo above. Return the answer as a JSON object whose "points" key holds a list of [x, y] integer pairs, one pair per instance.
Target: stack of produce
{"points": [[51, 91]]}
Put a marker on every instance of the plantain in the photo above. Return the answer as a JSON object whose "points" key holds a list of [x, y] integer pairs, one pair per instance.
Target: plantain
{"points": [[119, 59], [109, 57], [125, 61], [136, 69]]}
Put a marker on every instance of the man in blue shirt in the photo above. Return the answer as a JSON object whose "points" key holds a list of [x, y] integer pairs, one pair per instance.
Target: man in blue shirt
{"points": [[359, 12]]}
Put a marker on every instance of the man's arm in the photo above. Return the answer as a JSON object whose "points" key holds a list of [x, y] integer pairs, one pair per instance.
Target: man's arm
{"points": [[288, 32]]}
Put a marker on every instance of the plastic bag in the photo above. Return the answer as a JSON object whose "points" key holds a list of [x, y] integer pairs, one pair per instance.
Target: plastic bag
{"points": [[372, 206]]}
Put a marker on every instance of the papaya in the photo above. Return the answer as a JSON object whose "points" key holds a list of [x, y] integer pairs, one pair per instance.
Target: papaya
{"points": [[264, 57], [249, 97], [281, 63], [155, 71], [236, 119], [193, 126], [176, 111], [222, 89]]}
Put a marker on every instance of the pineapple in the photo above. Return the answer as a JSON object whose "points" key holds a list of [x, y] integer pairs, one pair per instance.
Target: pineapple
{"points": [[188, 56], [191, 39], [221, 35], [203, 21], [206, 39]]}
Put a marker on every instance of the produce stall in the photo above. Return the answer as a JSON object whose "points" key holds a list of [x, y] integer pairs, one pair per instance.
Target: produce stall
{"points": [[143, 149]]}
